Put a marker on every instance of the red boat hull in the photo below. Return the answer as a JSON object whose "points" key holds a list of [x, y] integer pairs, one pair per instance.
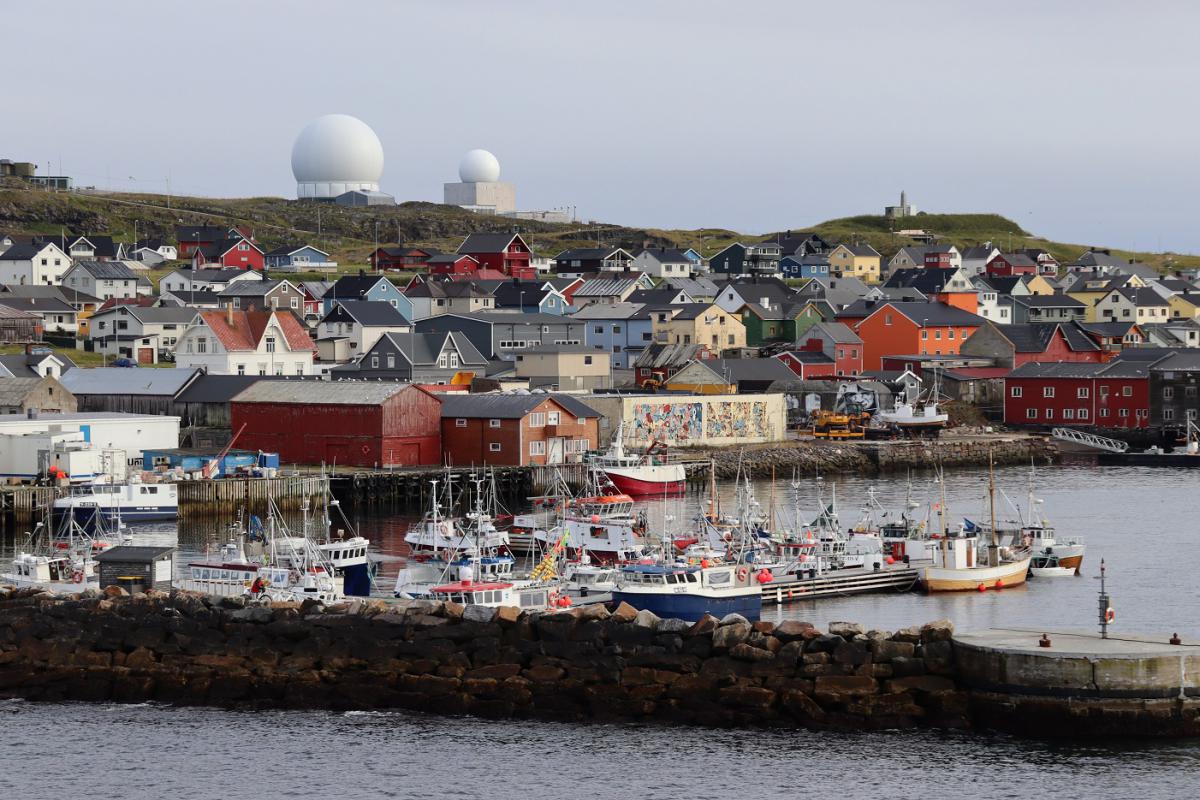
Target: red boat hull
{"points": [[639, 488]]}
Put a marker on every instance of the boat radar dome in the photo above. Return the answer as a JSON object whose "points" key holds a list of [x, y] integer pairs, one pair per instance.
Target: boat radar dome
{"points": [[479, 166], [335, 154]]}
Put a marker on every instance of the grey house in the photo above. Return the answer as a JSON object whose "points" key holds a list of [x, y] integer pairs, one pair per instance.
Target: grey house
{"points": [[502, 335], [415, 358]]}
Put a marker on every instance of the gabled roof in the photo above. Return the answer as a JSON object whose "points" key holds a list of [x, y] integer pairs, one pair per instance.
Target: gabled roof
{"points": [[1016, 260], [358, 393], [107, 270], [449, 258], [664, 255], [37, 305], [200, 233], [936, 314], [13, 391], [252, 288], [979, 251], [654, 296], [423, 349], [369, 313], [1036, 337], [247, 329], [1046, 301], [612, 311], [488, 242], [215, 250], [860, 250], [166, 382], [926, 280], [583, 253], [291, 249], [63, 293], [606, 287], [836, 332], [668, 355], [748, 369], [507, 406], [1069, 369], [23, 252], [353, 287]]}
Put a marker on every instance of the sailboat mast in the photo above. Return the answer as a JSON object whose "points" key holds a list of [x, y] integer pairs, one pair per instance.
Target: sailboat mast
{"points": [[992, 498], [942, 504]]}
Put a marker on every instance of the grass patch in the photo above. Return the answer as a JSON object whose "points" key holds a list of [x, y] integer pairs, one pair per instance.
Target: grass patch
{"points": [[81, 358]]}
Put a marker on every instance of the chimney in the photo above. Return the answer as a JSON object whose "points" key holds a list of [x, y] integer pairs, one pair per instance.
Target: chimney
{"points": [[229, 314], [362, 273]]}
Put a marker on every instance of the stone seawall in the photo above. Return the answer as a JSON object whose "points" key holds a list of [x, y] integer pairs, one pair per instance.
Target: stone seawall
{"points": [[871, 458], [585, 664]]}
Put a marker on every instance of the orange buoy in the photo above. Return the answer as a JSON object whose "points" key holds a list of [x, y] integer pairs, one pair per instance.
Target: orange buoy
{"points": [[982, 588], [999, 583], [891, 560]]}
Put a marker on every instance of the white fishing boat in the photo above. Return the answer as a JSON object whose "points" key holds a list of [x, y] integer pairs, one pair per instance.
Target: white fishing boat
{"points": [[132, 502], [1049, 567], [523, 595], [63, 562], [916, 414], [648, 474], [603, 525], [439, 533], [689, 592]]}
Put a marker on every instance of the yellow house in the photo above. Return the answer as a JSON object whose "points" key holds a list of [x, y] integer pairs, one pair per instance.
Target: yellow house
{"points": [[1037, 284], [856, 260], [1184, 306], [698, 323], [1090, 291]]}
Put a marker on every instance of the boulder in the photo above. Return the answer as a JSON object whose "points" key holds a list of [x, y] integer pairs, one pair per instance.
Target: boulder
{"points": [[793, 629], [592, 611], [727, 637], [747, 652], [928, 684], [115, 591], [911, 635], [259, 615], [887, 649], [840, 688], [705, 625], [847, 630], [734, 619], [646, 619], [474, 613], [624, 612], [673, 626], [509, 614], [941, 630], [850, 653]]}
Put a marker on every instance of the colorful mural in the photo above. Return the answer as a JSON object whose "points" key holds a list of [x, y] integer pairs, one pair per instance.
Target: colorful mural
{"points": [[668, 422], [736, 419]]}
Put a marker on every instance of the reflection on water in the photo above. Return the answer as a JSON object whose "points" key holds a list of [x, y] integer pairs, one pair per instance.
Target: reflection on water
{"points": [[1141, 520]]}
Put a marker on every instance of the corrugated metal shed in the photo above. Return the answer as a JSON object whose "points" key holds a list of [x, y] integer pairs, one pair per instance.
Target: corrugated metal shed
{"points": [[119, 380]]}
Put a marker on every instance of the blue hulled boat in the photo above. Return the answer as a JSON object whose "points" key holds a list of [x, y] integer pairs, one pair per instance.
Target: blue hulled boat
{"points": [[690, 592]]}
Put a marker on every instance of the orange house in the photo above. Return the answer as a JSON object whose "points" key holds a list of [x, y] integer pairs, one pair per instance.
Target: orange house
{"points": [[897, 328]]}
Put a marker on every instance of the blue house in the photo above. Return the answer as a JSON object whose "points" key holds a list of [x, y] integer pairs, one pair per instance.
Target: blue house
{"points": [[298, 258], [696, 259], [366, 287], [810, 266], [622, 329]]}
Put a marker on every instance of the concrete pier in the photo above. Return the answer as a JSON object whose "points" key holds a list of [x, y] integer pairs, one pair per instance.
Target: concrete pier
{"points": [[1081, 684]]}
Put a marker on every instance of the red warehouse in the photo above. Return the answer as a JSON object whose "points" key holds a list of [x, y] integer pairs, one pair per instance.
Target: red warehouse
{"points": [[1112, 395], [515, 429], [352, 423]]}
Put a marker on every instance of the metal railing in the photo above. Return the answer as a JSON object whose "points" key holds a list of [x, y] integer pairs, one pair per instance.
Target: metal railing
{"points": [[1090, 440]]}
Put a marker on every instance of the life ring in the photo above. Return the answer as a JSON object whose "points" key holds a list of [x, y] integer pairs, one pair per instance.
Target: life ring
{"points": [[1109, 615], [77, 576], [742, 573], [366, 448]]}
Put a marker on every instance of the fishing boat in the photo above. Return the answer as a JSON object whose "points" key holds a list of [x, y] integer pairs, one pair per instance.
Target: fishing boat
{"points": [[132, 502], [649, 474], [689, 592], [436, 532], [525, 596], [601, 522], [1050, 567], [1032, 531], [959, 564], [62, 561], [916, 414]]}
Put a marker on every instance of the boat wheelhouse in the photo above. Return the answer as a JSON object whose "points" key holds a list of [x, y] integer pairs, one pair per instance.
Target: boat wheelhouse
{"points": [[530, 597], [648, 474], [129, 502]]}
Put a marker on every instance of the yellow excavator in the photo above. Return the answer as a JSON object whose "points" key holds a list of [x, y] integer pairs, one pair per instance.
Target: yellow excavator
{"points": [[839, 424]]}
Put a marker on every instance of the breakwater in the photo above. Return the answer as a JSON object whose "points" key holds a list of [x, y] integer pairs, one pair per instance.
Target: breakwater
{"points": [[584, 664], [808, 457]]}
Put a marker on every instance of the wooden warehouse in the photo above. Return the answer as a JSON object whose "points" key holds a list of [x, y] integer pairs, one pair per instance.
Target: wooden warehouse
{"points": [[343, 423]]}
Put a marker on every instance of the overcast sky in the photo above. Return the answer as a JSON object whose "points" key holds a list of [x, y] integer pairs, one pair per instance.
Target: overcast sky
{"points": [[1078, 120]]}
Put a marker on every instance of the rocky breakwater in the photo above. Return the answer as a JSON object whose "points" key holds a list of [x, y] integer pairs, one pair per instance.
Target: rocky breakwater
{"points": [[871, 457], [584, 664]]}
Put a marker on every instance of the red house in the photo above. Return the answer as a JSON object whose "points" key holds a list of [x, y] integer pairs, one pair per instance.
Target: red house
{"points": [[453, 264], [400, 257], [340, 422], [236, 253], [807, 364], [902, 327], [1112, 395], [192, 237], [1010, 264], [516, 430], [506, 252], [939, 258]]}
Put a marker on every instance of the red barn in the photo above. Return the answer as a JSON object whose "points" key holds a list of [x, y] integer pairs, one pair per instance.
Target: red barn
{"points": [[807, 364], [506, 252], [351, 423], [1112, 395]]}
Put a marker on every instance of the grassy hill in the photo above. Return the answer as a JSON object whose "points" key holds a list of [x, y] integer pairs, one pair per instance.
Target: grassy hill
{"points": [[349, 234]]}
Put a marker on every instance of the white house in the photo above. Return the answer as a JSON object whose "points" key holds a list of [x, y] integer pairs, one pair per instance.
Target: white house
{"points": [[361, 323], [664, 262], [990, 307], [135, 332], [196, 280], [975, 259], [230, 342], [33, 264], [103, 279]]}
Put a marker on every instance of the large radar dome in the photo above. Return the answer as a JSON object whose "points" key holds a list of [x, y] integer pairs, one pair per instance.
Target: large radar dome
{"points": [[479, 166], [335, 154]]}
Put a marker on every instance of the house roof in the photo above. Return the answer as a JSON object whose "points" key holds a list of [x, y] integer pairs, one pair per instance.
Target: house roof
{"points": [[369, 313], [23, 364], [836, 332], [423, 349], [37, 305], [248, 327], [563, 349], [606, 287], [667, 355], [659, 296], [607, 311], [166, 382], [1179, 361], [21, 252], [581, 253], [925, 280], [749, 369], [487, 242], [1036, 337], [152, 314], [1046, 301], [11, 312], [1017, 260], [222, 246], [353, 287], [65, 294], [807, 357], [664, 255], [1069, 369], [107, 270], [928, 313], [13, 391], [507, 406], [200, 233], [860, 250], [357, 393]]}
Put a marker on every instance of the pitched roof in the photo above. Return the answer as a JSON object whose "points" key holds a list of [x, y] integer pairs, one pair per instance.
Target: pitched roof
{"points": [[21, 252], [487, 242], [1046, 301], [861, 250], [836, 332], [605, 287], [666, 355], [927, 280], [1036, 337], [921, 313], [166, 382], [507, 406], [288, 249], [1070, 369], [749, 369], [353, 287], [37, 305], [248, 328], [67, 295], [358, 393], [200, 233], [582, 253], [607, 311], [664, 255], [369, 313], [13, 391]]}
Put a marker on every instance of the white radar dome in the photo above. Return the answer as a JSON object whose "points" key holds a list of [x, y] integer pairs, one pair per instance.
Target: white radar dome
{"points": [[335, 154], [479, 166]]}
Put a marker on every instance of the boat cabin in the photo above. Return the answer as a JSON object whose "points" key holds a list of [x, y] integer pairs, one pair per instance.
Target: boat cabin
{"points": [[955, 552], [495, 594], [43, 569], [654, 575]]}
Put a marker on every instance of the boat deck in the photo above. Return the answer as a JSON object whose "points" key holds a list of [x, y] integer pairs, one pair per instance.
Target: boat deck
{"points": [[836, 583]]}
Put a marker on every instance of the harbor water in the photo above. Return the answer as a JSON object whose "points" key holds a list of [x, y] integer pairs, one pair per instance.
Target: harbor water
{"points": [[1141, 521]]}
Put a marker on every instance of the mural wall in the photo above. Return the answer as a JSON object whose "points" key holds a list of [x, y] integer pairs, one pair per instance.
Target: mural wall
{"points": [[701, 420]]}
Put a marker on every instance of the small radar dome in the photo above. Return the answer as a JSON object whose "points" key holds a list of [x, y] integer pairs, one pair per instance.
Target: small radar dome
{"points": [[479, 166]]}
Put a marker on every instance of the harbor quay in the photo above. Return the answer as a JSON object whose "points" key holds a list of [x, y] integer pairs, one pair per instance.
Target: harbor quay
{"points": [[589, 664]]}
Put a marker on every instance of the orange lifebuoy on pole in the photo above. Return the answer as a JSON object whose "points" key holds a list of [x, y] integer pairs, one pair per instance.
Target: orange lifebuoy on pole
{"points": [[1109, 615], [742, 573], [366, 448]]}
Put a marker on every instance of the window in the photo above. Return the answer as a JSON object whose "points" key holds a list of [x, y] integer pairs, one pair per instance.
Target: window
{"points": [[493, 423], [1191, 414], [202, 345], [270, 344], [374, 362], [1082, 413], [1049, 413], [1168, 413], [1168, 392], [552, 418], [1017, 391], [1047, 391], [460, 423], [924, 334], [599, 329], [887, 320], [1104, 412], [937, 334], [587, 359], [1081, 392], [1031, 413], [580, 421], [537, 419], [262, 369], [537, 448], [1068, 413], [1103, 391], [454, 361], [241, 369], [950, 334], [1124, 412], [494, 447], [732, 339], [1142, 412], [442, 361], [1127, 391], [616, 328]]}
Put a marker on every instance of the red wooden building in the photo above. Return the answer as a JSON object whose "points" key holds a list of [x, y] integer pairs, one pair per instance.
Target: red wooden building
{"points": [[192, 237], [514, 430], [1112, 395], [352, 423], [897, 328], [455, 264], [236, 253], [1011, 264], [401, 257], [808, 364], [506, 252], [1018, 344]]}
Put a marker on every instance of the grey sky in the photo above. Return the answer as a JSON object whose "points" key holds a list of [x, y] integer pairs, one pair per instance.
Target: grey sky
{"points": [[1078, 120]]}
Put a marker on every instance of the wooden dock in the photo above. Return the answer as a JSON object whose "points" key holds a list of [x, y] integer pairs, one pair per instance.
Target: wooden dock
{"points": [[838, 583]]}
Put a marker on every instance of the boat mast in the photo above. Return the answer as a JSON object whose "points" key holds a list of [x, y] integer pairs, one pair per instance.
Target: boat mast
{"points": [[942, 505], [994, 547]]}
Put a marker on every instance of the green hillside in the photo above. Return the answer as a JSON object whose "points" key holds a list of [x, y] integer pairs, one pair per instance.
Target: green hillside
{"points": [[350, 233]]}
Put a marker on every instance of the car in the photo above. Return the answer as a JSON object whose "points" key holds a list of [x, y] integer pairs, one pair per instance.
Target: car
{"points": [[124, 362]]}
